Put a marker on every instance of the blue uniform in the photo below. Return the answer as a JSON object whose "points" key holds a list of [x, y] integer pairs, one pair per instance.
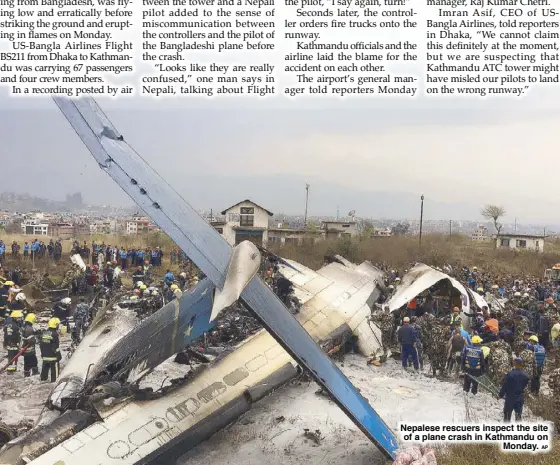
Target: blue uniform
{"points": [[540, 356], [406, 335], [513, 389], [472, 361], [169, 278]]}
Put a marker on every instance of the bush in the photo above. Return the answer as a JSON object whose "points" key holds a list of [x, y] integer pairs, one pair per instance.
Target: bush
{"points": [[436, 250]]}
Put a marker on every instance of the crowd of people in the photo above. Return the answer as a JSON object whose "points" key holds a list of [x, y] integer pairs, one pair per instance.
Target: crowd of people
{"points": [[506, 342], [32, 250], [509, 340], [105, 266]]}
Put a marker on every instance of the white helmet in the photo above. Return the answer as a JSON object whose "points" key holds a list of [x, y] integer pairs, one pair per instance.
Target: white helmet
{"points": [[66, 301], [183, 275], [20, 296], [146, 292], [139, 284], [155, 292]]}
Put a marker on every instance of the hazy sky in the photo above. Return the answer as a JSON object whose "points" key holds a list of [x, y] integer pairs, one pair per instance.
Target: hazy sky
{"points": [[459, 153]]}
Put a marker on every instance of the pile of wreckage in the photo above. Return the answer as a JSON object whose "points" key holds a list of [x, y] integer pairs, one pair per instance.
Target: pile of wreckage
{"points": [[98, 411]]}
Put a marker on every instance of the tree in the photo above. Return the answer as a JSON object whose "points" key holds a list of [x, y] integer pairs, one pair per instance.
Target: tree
{"points": [[494, 213], [367, 229], [401, 229]]}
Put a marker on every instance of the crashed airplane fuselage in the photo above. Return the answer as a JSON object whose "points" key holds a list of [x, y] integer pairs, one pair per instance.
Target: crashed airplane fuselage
{"points": [[139, 432], [157, 431], [421, 278]]}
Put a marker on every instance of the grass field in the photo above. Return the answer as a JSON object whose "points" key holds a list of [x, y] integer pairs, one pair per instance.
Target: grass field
{"points": [[436, 250], [396, 252]]}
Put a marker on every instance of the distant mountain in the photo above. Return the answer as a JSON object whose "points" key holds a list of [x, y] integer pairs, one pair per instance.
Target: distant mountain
{"points": [[24, 202], [73, 203]]}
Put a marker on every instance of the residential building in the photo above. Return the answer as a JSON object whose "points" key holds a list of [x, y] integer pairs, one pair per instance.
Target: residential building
{"points": [[67, 230], [520, 242], [340, 228], [480, 234], [294, 236], [35, 227], [104, 227], [138, 225], [385, 232], [245, 220]]}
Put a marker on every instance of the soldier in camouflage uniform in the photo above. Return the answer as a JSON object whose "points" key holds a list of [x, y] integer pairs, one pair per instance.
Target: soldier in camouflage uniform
{"points": [[528, 357], [499, 361], [68, 278], [44, 282], [521, 327], [384, 321], [554, 385], [434, 336]]}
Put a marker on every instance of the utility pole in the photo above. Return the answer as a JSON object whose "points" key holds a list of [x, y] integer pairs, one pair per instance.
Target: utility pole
{"points": [[306, 202], [211, 218], [337, 213], [421, 218], [515, 227], [449, 228]]}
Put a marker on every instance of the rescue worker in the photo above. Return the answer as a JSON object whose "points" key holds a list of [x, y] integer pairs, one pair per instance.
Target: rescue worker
{"points": [[50, 351], [491, 328], [175, 292], [12, 338], [29, 333], [555, 332], [543, 328], [406, 337], [455, 347], [478, 325], [169, 278], [108, 275], [4, 291], [81, 317], [512, 390], [19, 303], [418, 341], [138, 275], [538, 366], [182, 280], [61, 310], [411, 307], [499, 361], [455, 318], [473, 363]]}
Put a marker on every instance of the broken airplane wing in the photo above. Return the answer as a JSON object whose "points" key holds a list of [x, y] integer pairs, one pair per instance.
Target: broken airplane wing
{"points": [[211, 253]]}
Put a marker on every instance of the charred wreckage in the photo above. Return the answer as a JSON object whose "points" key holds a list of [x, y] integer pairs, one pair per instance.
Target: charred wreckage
{"points": [[97, 413]]}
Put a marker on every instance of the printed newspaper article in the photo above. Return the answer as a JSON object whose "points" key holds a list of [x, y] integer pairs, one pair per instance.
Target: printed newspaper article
{"points": [[345, 48], [279, 232]]}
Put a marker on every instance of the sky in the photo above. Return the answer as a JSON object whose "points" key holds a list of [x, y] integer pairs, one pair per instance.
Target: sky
{"points": [[374, 156]]}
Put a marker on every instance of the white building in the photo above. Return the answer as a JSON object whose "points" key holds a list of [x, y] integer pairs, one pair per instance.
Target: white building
{"points": [[520, 242], [35, 227], [480, 234], [138, 225], [244, 221]]}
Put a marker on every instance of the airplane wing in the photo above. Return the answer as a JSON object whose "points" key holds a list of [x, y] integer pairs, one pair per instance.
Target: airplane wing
{"points": [[211, 253]]}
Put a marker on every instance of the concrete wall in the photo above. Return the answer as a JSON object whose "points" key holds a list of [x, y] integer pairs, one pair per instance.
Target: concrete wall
{"points": [[535, 244]]}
